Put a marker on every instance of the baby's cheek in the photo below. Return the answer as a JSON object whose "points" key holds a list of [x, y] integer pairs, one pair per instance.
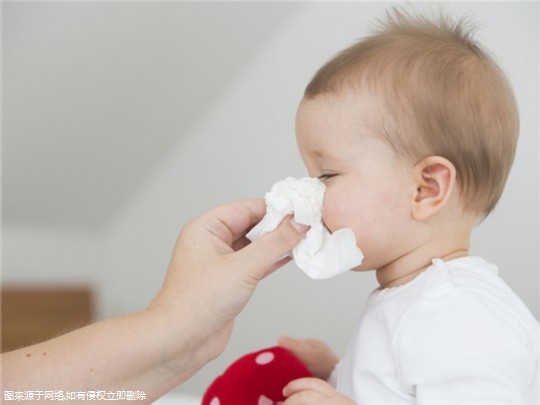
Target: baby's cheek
{"points": [[339, 212], [326, 213], [332, 214]]}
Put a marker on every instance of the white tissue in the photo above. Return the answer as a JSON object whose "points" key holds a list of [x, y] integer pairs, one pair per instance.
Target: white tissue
{"points": [[320, 254]]}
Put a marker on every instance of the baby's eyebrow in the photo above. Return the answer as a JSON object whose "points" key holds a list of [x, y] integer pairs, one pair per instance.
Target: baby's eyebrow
{"points": [[317, 153]]}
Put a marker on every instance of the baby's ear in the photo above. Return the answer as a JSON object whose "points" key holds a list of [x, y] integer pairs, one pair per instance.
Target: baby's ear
{"points": [[435, 178]]}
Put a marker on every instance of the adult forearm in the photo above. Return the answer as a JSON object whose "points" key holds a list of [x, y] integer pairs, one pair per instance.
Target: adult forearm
{"points": [[129, 353]]}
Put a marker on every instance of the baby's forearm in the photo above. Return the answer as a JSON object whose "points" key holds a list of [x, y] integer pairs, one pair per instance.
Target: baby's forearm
{"points": [[132, 353]]}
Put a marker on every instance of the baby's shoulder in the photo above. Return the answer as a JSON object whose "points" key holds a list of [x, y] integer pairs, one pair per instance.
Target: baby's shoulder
{"points": [[455, 299], [465, 304]]}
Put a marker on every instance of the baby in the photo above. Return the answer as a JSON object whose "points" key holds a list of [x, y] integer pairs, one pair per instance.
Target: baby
{"points": [[413, 130]]}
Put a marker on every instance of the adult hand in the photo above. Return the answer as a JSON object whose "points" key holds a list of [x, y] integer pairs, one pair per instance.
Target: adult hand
{"points": [[212, 274], [214, 271]]}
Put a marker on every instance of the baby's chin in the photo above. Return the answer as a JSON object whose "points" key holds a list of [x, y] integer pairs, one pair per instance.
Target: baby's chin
{"points": [[362, 268]]}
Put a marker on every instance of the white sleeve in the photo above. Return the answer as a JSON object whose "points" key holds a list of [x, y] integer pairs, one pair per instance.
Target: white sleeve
{"points": [[457, 349]]}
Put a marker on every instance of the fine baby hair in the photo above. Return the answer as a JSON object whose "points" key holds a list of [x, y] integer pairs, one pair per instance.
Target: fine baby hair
{"points": [[443, 93]]}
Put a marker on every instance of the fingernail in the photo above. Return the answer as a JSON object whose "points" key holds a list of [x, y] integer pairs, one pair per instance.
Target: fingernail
{"points": [[285, 391], [299, 227]]}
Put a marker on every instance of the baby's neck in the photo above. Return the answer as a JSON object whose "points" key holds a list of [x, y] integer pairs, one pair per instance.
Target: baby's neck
{"points": [[396, 274], [442, 238]]}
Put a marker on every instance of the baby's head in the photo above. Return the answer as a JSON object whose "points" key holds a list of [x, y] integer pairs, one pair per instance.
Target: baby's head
{"points": [[423, 97]]}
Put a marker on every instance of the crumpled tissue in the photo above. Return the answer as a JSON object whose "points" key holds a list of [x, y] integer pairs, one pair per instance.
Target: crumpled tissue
{"points": [[320, 254]]}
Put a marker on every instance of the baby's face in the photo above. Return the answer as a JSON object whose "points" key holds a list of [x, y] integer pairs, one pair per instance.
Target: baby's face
{"points": [[369, 189]]}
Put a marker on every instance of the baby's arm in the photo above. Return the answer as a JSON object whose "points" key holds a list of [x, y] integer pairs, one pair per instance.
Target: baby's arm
{"points": [[315, 354]]}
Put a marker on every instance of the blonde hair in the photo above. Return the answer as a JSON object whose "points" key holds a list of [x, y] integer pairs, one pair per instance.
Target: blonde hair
{"points": [[444, 96]]}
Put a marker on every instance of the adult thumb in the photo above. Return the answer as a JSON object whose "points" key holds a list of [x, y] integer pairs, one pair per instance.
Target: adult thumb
{"points": [[264, 255]]}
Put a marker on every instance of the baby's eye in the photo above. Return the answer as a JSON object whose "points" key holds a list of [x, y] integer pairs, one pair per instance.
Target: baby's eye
{"points": [[325, 176]]}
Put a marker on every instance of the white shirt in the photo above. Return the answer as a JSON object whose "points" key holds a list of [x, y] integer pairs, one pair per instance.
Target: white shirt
{"points": [[456, 334]]}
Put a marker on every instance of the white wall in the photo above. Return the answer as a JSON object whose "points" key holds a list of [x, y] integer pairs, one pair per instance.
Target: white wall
{"points": [[245, 142], [43, 256]]}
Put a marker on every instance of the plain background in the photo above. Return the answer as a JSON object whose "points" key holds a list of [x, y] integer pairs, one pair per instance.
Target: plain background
{"points": [[122, 121]]}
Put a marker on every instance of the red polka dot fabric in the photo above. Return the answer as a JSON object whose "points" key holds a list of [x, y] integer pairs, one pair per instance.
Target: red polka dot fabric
{"points": [[256, 379]]}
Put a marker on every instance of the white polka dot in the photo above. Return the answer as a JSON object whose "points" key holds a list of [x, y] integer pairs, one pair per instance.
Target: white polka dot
{"points": [[264, 358], [215, 401], [263, 400]]}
